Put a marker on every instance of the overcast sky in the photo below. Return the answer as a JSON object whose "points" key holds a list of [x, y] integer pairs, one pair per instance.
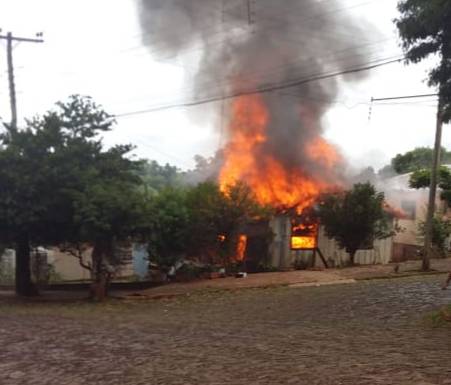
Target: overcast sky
{"points": [[93, 47]]}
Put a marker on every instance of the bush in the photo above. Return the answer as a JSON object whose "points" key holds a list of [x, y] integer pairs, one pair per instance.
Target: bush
{"points": [[441, 230]]}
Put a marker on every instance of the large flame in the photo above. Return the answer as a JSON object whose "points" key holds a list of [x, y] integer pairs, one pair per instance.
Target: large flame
{"points": [[272, 183], [302, 243]]}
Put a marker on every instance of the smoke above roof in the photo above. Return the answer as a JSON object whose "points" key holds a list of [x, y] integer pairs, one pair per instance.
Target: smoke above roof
{"points": [[242, 45]]}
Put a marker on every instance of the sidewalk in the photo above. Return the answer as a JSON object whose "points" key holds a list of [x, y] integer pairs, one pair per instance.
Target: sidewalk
{"points": [[388, 271], [297, 278], [259, 280]]}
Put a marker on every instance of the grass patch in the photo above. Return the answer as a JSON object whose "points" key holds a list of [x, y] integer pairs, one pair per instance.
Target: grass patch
{"points": [[441, 317]]}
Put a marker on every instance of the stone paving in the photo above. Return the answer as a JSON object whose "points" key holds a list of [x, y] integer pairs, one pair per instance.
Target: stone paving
{"points": [[370, 332]]}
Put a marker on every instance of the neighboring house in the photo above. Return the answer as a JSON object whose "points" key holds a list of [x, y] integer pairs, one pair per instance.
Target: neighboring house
{"points": [[61, 266], [67, 267], [412, 204]]}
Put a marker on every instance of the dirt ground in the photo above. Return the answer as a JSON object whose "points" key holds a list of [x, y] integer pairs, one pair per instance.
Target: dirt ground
{"points": [[370, 332]]}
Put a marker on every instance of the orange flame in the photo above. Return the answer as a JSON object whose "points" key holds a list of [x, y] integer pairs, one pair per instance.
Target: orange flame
{"points": [[322, 152], [272, 183], [241, 248], [299, 243]]}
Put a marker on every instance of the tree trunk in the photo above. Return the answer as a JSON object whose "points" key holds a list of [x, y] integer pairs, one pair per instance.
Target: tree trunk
{"points": [[352, 258], [24, 285], [428, 253], [99, 286]]}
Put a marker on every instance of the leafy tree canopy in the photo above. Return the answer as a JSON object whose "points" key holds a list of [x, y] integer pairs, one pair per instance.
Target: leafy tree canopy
{"points": [[200, 222], [157, 177], [425, 30], [59, 184], [422, 179], [169, 232], [355, 218], [416, 159], [441, 230]]}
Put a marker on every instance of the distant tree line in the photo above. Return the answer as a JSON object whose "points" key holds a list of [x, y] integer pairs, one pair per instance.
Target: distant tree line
{"points": [[414, 160]]}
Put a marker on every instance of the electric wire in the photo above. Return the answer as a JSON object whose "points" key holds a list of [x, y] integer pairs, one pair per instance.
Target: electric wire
{"points": [[261, 89]]}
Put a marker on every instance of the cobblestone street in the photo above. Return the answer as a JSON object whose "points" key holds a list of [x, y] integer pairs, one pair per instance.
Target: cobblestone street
{"points": [[370, 332]]}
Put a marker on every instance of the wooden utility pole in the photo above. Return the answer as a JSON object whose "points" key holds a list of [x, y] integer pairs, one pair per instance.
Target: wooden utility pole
{"points": [[24, 285], [249, 12], [427, 253], [10, 39]]}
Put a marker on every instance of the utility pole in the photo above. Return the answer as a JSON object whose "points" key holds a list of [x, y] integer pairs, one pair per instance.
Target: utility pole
{"points": [[12, 85], [10, 39], [427, 253], [250, 12]]}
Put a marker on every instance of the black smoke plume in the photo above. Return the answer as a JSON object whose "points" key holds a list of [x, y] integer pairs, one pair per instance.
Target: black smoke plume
{"points": [[241, 45]]}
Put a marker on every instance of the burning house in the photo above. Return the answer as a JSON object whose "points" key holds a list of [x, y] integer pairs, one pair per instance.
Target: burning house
{"points": [[289, 241], [290, 181], [272, 111]]}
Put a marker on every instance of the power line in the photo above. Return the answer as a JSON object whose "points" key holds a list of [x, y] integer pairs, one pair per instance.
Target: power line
{"points": [[370, 113], [262, 89], [403, 97], [265, 75]]}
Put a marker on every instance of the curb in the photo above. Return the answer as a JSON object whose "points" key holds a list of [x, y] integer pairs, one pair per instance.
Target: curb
{"points": [[325, 283], [401, 275]]}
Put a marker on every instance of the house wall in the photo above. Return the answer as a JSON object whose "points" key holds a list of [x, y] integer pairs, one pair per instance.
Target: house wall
{"points": [[140, 260], [7, 267], [381, 253], [399, 199], [283, 257], [67, 267], [279, 250], [408, 242]]}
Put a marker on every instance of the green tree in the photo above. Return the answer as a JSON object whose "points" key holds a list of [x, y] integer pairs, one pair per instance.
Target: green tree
{"points": [[59, 185], [422, 179], [199, 222], [26, 195], [386, 172], [417, 159], [441, 230], [356, 218], [425, 30], [169, 231], [215, 213], [157, 177], [206, 205], [98, 190]]}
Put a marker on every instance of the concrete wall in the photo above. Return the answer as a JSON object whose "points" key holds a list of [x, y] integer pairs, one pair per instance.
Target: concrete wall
{"points": [[67, 267], [419, 198], [408, 242]]}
